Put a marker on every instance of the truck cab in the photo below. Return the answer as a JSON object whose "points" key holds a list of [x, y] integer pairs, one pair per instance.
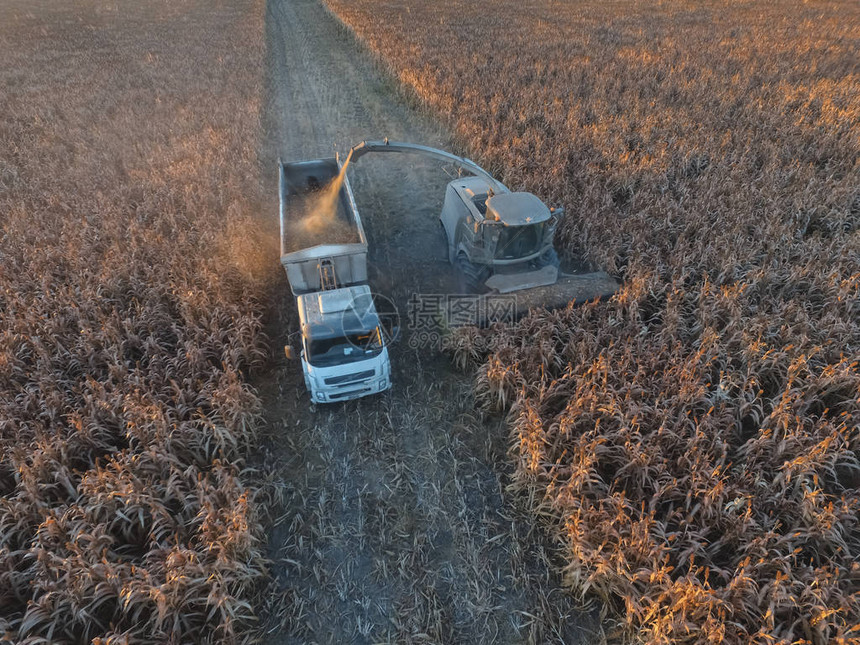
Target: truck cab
{"points": [[343, 354]]}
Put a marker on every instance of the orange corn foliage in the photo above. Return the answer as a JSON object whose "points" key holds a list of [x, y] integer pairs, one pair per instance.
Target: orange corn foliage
{"points": [[128, 322], [694, 443]]}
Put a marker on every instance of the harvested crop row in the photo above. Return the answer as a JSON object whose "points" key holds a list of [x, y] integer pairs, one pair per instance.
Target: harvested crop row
{"points": [[693, 444], [129, 321]]}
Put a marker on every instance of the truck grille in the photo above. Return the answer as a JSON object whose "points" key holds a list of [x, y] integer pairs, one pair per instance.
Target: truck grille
{"points": [[349, 378]]}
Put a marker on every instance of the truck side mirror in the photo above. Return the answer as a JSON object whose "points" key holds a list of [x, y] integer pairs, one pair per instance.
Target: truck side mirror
{"points": [[290, 349]]}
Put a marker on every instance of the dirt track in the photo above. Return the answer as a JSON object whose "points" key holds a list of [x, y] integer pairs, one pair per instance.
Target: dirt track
{"points": [[394, 526]]}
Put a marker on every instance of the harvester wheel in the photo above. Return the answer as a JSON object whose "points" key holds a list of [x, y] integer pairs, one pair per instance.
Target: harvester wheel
{"points": [[470, 277]]}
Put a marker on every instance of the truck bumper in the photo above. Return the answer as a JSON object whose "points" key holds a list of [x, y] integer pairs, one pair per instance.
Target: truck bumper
{"points": [[353, 391]]}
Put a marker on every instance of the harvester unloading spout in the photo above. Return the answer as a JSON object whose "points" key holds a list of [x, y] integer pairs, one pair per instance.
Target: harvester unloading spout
{"points": [[358, 151]]}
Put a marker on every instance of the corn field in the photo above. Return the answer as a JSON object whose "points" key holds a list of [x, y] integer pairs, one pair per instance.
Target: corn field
{"points": [[129, 321], [693, 444]]}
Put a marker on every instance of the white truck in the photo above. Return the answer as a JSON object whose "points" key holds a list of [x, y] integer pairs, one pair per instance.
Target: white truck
{"points": [[343, 344]]}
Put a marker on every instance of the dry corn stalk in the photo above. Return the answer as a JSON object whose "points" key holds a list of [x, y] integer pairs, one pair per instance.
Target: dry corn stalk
{"points": [[127, 330], [692, 444]]}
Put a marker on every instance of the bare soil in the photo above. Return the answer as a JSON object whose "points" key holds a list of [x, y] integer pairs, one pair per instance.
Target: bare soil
{"points": [[395, 526]]}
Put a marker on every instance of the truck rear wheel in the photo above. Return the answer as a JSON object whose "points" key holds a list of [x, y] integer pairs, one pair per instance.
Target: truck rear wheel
{"points": [[470, 277]]}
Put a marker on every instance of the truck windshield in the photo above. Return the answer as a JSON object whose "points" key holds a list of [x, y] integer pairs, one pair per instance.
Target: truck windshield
{"points": [[338, 350], [519, 241]]}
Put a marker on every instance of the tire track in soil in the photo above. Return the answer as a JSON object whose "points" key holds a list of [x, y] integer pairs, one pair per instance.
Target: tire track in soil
{"points": [[394, 526]]}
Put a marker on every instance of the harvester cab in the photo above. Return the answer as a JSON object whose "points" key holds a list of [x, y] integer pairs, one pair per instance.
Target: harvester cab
{"points": [[499, 241]]}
